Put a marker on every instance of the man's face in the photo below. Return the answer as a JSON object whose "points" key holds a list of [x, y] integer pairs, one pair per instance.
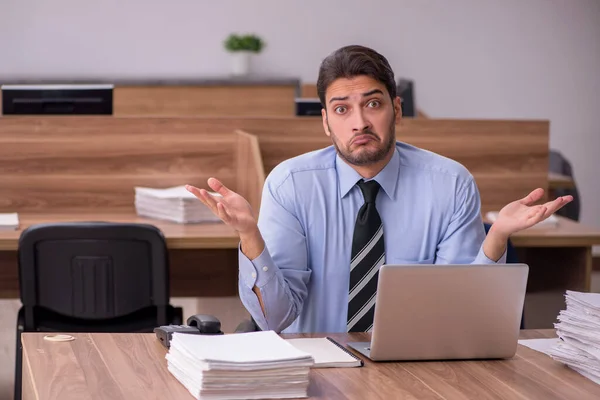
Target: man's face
{"points": [[360, 118]]}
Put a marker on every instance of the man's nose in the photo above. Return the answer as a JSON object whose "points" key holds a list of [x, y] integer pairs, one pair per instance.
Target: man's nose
{"points": [[360, 123]]}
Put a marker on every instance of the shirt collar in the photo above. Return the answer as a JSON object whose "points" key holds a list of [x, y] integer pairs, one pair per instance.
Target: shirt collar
{"points": [[387, 177]]}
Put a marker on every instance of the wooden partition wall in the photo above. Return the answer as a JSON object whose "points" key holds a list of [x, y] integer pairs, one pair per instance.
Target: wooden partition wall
{"points": [[508, 159], [108, 156], [250, 172], [85, 169], [81, 164], [205, 100]]}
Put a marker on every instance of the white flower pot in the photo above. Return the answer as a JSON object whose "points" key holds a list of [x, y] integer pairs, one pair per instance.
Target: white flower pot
{"points": [[240, 62]]}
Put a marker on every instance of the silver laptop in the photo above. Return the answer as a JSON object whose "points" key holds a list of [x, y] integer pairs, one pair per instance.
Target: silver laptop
{"points": [[446, 312]]}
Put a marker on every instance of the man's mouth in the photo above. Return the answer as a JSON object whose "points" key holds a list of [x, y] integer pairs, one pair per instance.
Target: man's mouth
{"points": [[363, 139]]}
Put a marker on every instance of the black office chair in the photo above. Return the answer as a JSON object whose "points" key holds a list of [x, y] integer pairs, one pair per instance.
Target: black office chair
{"points": [[405, 90], [92, 277], [560, 165]]}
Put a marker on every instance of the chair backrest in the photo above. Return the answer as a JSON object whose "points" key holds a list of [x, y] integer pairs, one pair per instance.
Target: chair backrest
{"points": [[560, 165], [92, 270]]}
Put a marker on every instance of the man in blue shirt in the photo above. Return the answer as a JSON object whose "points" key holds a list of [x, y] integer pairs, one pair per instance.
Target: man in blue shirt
{"points": [[330, 218]]}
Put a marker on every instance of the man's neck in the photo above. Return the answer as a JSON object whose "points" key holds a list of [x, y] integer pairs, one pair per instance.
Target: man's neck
{"points": [[371, 170]]}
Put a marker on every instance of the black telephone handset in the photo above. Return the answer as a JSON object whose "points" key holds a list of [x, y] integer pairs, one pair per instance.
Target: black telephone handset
{"points": [[199, 324]]}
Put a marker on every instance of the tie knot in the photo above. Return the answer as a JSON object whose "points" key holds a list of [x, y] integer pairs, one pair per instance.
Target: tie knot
{"points": [[369, 190]]}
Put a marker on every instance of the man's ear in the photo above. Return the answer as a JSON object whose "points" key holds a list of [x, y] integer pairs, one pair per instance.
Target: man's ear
{"points": [[325, 124], [398, 109]]}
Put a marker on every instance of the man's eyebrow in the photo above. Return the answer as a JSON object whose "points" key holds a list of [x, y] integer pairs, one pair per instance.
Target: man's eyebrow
{"points": [[372, 92], [338, 99], [367, 94]]}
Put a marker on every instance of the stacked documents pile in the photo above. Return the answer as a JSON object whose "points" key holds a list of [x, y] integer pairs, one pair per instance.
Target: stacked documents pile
{"points": [[9, 221], [172, 204], [254, 365], [579, 329]]}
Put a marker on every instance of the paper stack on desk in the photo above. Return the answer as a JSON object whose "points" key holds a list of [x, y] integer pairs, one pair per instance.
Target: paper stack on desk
{"points": [[579, 329], [172, 204], [254, 365], [9, 221]]}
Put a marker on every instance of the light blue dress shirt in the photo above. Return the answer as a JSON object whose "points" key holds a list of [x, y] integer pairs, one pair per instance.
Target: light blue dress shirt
{"points": [[430, 210]]}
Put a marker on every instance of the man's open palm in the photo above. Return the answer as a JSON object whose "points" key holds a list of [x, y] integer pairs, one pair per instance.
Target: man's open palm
{"points": [[522, 214], [232, 208]]}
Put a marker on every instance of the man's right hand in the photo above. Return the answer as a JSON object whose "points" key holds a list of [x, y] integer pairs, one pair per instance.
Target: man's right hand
{"points": [[234, 211]]}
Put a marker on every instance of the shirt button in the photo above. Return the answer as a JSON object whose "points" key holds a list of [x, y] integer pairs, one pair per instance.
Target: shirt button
{"points": [[265, 268], [254, 274]]}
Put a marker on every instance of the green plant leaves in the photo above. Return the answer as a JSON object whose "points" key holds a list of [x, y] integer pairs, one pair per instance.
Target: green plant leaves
{"points": [[250, 42]]}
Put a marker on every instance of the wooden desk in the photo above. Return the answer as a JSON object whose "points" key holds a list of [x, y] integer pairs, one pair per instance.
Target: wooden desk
{"points": [[203, 257], [559, 259], [133, 366], [178, 236]]}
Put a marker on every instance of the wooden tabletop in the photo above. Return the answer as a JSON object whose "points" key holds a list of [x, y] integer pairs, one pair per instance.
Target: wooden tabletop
{"points": [[220, 236], [179, 236], [568, 233], [133, 366]]}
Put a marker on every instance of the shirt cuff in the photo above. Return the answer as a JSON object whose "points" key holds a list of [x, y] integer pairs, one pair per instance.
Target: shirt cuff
{"points": [[257, 272], [483, 259]]}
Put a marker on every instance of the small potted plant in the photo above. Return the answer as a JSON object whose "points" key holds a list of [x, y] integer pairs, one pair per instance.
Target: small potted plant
{"points": [[241, 48]]}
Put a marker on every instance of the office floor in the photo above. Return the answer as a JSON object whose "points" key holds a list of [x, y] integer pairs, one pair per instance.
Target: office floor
{"points": [[229, 310]]}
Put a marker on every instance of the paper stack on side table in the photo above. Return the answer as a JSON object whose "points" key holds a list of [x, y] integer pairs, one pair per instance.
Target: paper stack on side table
{"points": [[579, 329], [174, 204]]}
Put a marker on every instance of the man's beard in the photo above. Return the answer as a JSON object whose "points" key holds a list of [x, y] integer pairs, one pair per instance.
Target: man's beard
{"points": [[366, 157]]}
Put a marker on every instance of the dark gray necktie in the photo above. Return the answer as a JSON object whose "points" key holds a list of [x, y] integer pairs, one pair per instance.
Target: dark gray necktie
{"points": [[368, 255]]}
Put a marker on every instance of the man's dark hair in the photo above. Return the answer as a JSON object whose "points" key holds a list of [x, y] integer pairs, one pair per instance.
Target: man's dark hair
{"points": [[350, 61]]}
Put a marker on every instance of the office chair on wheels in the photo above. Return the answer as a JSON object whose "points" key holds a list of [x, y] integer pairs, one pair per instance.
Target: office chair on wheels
{"points": [[92, 277]]}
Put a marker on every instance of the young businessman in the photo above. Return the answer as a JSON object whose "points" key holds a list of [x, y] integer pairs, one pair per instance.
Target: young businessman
{"points": [[330, 218]]}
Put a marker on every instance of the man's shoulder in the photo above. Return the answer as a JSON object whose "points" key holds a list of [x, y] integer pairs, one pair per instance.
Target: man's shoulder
{"points": [[309, 163], [428, 162]]}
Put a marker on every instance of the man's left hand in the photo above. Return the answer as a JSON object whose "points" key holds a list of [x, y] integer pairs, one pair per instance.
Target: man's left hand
{"points": [[522, 214]]}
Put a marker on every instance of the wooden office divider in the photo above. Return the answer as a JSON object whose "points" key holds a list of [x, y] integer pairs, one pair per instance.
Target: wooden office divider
{"points": [[508, 159], [57, 169], [250, 172], [198, 100]]}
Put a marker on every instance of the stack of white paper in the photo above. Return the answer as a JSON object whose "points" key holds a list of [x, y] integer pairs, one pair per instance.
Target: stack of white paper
{"points": [[172, 204], [579, 329], [9, 221], [254, 365]]}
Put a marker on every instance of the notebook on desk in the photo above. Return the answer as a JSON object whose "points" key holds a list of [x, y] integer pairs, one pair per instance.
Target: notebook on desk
{"points": [[326, 352]]}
